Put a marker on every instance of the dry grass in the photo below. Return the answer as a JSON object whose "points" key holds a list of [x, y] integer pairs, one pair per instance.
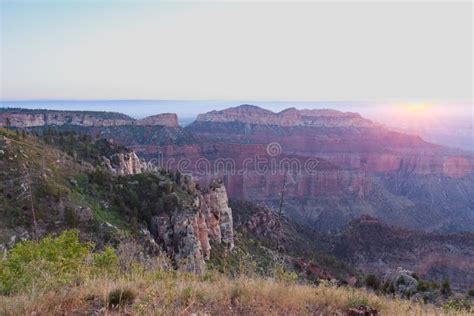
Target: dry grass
{"points": [[171, 293]]}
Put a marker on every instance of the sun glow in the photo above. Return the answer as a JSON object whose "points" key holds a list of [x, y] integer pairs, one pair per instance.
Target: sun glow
{"points": [[416, 107], [413, 114]]}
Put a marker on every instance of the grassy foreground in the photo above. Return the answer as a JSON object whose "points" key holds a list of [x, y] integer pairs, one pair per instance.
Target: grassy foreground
{"points": [[64, 276], [175, 293]]}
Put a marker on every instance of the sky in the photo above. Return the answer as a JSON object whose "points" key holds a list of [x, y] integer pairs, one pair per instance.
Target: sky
{"points": [[265, 51]]}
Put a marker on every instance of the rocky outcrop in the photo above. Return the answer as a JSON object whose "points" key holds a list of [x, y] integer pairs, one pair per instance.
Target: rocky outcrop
{"points": [[179, 234], [217, 213], [126, 163], [186, 234]]}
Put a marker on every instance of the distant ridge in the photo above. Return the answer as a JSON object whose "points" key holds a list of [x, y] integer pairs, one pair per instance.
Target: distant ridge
{"points": [[253, 114], [105, 114], [24, 118]]}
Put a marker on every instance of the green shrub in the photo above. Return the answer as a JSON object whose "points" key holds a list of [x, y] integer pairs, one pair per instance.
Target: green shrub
{"points": [[53, 262], [47, 263], [106, 261]]}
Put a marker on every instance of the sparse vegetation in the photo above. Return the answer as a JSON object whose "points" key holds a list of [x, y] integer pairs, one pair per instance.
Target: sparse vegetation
{"points": [[73, 285], [175, 292]]}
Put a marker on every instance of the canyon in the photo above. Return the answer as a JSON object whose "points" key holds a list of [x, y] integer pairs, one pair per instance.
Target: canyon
{"points": [[374, 198], [331, 166]]}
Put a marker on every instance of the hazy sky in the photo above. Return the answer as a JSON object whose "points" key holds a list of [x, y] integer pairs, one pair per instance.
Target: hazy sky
{"points": [[240, 50]]}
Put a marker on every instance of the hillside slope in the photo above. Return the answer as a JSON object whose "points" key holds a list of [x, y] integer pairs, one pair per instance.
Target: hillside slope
{"points": [[102, 189]]}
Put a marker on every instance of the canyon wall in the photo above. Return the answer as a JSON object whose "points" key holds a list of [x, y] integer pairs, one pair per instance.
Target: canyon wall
{"points": [[357, 167]]}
